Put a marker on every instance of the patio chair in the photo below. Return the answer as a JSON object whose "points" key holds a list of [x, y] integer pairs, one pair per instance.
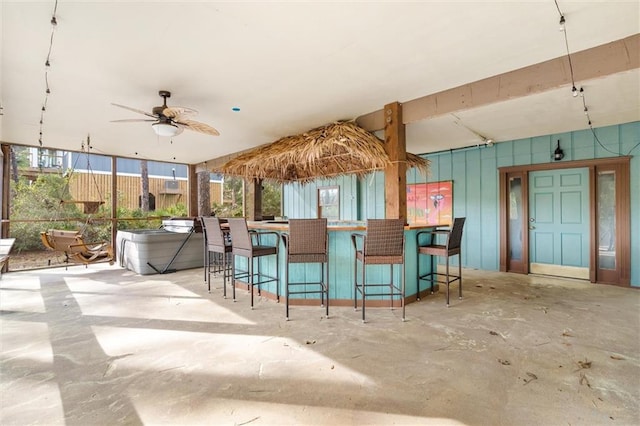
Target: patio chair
{"points": [[218, 244], [307, 242], [6, 244], [383, 244], [250, 246], [450, 247], [75, 249]]}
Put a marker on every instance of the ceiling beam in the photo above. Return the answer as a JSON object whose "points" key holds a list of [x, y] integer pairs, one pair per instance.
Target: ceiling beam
{"points": [[600, 61], [611, 58]]}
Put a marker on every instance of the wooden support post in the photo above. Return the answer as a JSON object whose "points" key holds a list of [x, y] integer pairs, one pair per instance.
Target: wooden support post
{"points": [[6, 189], [395, 175], [204, 196], [193, 190], [114, 202], [253, 199]]}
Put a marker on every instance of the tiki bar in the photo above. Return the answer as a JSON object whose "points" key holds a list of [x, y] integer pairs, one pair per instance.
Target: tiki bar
{"points": [[353, 187]]}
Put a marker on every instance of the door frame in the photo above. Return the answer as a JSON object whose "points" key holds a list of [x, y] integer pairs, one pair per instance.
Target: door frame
{"points": [[620, 165]]}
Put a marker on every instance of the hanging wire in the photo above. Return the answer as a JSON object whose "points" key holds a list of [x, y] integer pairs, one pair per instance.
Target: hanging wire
{"points": [[566, 44], [90, 171], [581, 92], [47, 64]]}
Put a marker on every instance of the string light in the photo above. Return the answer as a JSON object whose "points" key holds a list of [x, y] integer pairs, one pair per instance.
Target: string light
{"points": [[47, 65], [575, 92]]}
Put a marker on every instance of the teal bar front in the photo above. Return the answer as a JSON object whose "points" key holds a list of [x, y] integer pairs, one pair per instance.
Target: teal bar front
{"points": [[341, 264]]}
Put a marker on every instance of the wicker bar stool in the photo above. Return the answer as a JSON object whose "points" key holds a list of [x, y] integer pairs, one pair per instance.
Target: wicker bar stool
{"points": [[218, 243], [383, 244], [451, 247], [244, 246], [307, 242]]}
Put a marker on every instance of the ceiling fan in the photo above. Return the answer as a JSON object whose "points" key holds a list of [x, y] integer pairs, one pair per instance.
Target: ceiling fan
{"points": [[170, 121]]}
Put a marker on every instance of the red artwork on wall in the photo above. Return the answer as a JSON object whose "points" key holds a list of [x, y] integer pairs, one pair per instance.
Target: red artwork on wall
{"points": [[430, 203]]}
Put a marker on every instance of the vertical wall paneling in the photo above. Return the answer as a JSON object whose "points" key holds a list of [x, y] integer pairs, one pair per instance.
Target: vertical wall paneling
{"points": [[472, 199], [609, 137], [488, 210], [542, 148], [630, 135], [583, 146], [522, 152], [504, 154], [453, 165]]}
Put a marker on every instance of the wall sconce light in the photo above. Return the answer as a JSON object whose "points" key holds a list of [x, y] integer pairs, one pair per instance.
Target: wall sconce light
{"points": [[558, 154]]}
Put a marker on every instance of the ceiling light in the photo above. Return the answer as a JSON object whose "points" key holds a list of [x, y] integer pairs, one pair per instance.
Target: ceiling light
{"points": [[165, 129]]}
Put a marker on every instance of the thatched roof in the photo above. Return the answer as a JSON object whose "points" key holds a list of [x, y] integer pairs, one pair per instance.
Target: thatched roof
{"points": [[335, 149]]}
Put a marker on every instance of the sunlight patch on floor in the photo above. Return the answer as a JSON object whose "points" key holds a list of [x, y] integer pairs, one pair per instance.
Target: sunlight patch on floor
{"points": [[169, 308], [240, 412], [20, 281], [220, 355], [21, 301], [25, 340], [29, 388], [133, 287]]}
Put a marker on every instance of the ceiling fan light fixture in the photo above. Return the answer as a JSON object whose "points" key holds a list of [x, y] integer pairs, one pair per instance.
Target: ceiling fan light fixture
{"points": [[165, 129]]}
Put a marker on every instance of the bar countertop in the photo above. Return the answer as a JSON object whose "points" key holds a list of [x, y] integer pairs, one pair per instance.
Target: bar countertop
{"points": [[346, 225]]}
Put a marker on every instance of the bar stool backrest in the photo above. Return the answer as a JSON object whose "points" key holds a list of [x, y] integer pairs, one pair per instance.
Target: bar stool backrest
{"points": [[385, 237], [455, 238], [308, 236], [240, 234], [214, 233]]}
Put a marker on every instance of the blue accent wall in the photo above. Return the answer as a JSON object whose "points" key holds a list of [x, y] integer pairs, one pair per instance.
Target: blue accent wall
{"points": [[474, 172]]}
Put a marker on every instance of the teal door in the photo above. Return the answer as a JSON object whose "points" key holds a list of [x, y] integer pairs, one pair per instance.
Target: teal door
{"points": [[559, 222]]}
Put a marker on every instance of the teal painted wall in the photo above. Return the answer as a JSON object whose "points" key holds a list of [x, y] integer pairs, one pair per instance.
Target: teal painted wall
{"points": [[475, 175], [301, 201], [474, 172]]}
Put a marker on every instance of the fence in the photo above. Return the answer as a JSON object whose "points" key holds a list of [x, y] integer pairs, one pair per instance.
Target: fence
{"points": [[97, 187]]}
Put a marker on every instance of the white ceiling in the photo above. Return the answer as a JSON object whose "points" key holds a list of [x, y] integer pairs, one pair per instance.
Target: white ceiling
{"points": [[292, 66]]}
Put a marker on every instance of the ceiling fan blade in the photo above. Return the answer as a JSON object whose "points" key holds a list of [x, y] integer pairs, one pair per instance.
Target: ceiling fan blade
{"points": [[176, 111], [198, 127], [139, 111], [131, 120]]}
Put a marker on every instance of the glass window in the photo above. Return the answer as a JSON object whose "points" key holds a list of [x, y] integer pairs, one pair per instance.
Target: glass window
{"points": [[515, 218], [607, 220], [329, 202]]}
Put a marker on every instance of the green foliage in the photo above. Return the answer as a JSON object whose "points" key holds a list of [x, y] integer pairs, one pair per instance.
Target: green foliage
{"points": [[42, 198], [35, 200], [232, 196], [232, 206], [227, 210], [271, 199]]}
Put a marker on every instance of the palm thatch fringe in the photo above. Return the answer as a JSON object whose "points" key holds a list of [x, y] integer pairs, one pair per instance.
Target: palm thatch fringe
{"points": [[335, 149]]}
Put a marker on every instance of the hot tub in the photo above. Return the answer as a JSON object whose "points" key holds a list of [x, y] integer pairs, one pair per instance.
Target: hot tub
{"points": [[153, 251]]}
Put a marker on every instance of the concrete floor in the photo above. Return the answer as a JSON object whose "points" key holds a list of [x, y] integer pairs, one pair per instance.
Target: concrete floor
{"points": [[105, 346]]}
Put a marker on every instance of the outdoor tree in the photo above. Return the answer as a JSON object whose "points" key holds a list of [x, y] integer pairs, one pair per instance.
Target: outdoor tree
{"points": [[271, 199]]}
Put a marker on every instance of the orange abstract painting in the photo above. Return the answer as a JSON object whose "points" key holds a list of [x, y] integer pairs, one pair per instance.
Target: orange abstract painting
{"points": [[430, 203]]}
